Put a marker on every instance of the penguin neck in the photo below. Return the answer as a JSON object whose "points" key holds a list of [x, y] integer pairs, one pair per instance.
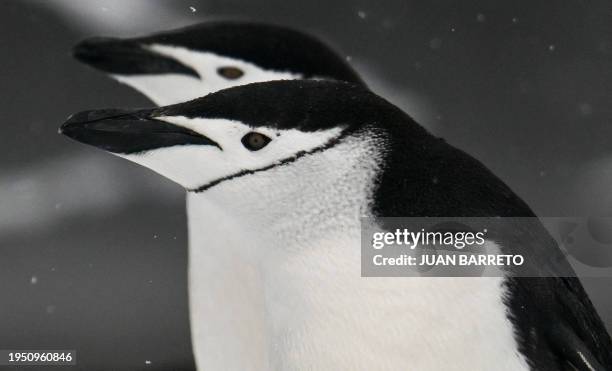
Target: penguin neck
{"points": [[327, 190], [244, 237]]}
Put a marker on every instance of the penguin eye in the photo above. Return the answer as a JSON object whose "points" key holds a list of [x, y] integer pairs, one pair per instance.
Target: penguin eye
{"points": [[230, 73], [255, 141]]}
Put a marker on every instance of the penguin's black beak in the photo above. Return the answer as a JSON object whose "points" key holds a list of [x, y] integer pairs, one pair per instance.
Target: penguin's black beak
{"points": [[128, 132], [126, 57]]}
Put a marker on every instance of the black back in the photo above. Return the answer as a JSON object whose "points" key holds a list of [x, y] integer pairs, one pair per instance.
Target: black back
{"points": [[307, 105], [554, 320]]}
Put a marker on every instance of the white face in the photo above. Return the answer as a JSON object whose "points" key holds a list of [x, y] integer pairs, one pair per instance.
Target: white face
{"points": [[194, 166], [171, 88]]}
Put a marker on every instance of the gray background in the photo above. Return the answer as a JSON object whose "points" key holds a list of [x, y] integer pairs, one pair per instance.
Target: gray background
{"points": [[92, 248]]}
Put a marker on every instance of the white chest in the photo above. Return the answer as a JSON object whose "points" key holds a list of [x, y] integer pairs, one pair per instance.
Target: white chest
{"points": [[312, 311], [283, 291]]}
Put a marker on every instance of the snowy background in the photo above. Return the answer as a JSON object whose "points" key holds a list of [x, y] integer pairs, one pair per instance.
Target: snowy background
{"points": [[92, 247]]}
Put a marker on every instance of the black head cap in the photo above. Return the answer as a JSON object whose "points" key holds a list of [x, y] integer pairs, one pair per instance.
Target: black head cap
{"points": [[268, 46], [307, 105]]}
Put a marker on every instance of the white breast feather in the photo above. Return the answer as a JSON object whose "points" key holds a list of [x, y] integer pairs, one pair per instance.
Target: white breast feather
{"points": [[279, 288]]}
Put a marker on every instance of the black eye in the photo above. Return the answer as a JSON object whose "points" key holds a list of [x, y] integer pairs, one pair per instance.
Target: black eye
{"points": [[254, 141], [230, 73]]}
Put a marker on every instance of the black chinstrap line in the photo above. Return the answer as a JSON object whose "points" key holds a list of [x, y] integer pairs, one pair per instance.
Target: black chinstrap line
{"points": [[330, 144]]}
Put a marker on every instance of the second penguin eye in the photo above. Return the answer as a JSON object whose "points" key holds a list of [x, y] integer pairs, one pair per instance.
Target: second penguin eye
{"points": [[230, 73], [255, 141]]}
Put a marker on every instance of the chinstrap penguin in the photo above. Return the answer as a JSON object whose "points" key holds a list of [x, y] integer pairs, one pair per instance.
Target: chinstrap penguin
{"points": [[278, 175], [179, 65]]}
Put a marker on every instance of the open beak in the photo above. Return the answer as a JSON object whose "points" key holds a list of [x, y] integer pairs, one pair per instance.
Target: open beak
{"points": [[128, 131], [126, 57]]}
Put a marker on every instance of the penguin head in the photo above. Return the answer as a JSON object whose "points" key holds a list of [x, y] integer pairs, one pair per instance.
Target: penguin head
{"points": [[180, 65], [242, 131]]}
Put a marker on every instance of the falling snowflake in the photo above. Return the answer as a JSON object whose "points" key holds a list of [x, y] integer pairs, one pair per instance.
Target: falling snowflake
{"points": [[193, 9], [435, 43], [551, 47], [514, 20], [481, 17], [147, 362], [362, 14], [585, 109], [34, 280]]}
